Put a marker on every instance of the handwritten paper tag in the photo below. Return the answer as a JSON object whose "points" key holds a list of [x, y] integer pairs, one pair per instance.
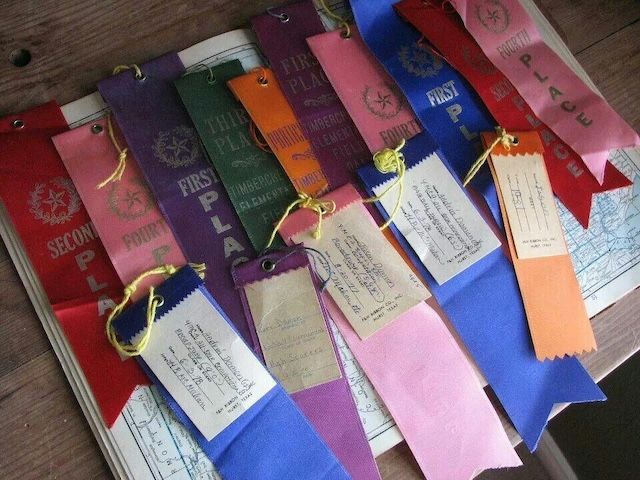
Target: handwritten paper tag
{"points": [[530, 208], [292, 331], [370, 282], [204, 365], [556, 313], [438, 220]]}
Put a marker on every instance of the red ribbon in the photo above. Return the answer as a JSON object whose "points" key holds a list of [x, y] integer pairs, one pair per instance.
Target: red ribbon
{"points": [[570, 179], [65, 250]]}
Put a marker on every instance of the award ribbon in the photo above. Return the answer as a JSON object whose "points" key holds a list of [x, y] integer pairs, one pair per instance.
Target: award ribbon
{"points": [[131, 226], [556, 313], [324, 121], [65, 250], [289, 325], [413, 362], [570, 179], [188, 191], [373, 100], [483, 302], [581, 118], [264, 100], [257, 186], [240, 416], [441, 98]]}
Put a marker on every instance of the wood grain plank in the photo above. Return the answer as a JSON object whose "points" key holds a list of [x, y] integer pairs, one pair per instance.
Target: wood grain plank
{"points": [[586, 22], [613, 64], [21, 332], [44, 434], [76, 43]]}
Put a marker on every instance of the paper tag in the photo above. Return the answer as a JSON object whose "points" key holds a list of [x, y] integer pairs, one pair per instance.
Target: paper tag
{"points": [[438, 220], [204, 365], [370, 282], [292, 331], [567, 172], [528, 200]]}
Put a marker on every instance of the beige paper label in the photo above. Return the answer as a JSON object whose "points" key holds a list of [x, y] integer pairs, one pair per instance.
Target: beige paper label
{"points": [[438, 220], [204, 365], [528, 200], [370, 281], [292, 331]]}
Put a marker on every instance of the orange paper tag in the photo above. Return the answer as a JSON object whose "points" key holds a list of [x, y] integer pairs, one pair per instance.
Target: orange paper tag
{"points": [[557, 316], [263, 98]]}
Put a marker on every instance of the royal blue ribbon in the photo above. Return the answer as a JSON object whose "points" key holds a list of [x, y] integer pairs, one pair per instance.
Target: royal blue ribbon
{"points": [[484, 304], [454, 115], [271, 440]]}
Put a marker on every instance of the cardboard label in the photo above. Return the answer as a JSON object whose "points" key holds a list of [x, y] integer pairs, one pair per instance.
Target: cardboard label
{"points": [[438, 220], [204, 365], [529, 205], [292, 331], [370, 281]]}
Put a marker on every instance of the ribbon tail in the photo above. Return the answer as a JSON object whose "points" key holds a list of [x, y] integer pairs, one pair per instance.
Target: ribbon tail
{"points": [[613, 179], [568, 382]]}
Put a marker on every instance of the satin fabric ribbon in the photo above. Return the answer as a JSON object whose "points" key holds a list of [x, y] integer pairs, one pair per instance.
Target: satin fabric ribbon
{"points": [[330, 407], [583, 119], [484, 304], [65, 251], [166, 146], [420, 373], [570, 179], [271, 440], [131, 226]]}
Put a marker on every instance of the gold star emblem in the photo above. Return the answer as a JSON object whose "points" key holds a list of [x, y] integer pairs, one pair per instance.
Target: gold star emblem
{"points": [[55, 200]]}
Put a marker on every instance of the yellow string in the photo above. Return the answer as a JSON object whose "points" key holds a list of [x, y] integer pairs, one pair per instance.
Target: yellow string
{"points": [[503, 137], [320, 207], [122, 158], [341, 21], [153, 302], [122, 68], [390, 160]]}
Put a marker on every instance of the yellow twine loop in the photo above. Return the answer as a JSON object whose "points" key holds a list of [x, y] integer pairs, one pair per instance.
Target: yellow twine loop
{"points": [[504, 138], [321, 207], [153, 303], [390, 160], [122, 158], [121, 68], [341, 21]]}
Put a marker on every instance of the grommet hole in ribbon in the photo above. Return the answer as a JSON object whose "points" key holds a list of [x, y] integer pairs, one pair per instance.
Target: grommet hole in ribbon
{"points": [[18, 124], [20, 57], [515, 141], [284, 18], [268, 265], [158, 300], [97, 128]]}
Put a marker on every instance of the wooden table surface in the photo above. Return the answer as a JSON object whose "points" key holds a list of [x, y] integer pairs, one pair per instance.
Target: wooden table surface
{"points": [[75, 43]]}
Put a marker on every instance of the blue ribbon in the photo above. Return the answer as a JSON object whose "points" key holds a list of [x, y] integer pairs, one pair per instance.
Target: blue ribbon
{"points": [[484, 304], [271, 440], [446, 105]]}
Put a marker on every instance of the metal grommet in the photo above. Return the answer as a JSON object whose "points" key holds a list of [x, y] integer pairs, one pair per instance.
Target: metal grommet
{"points": [[159, 299], [263, 81], [18, 124], [211, 79], [141, 78], [284, 18], [268, 265], [345, 34], [515, 140], [96, 128]]}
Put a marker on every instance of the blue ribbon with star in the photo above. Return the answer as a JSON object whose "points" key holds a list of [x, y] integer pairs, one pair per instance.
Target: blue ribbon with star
{"points": [[484, 301]]}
